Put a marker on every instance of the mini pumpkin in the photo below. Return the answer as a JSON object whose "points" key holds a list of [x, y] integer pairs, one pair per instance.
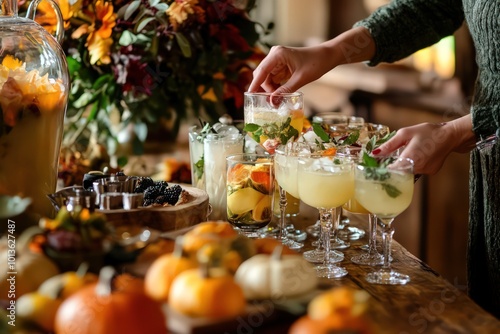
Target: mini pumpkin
{"points": [[65, 284], [205, 233], [340, 309], [276, 276], [102, 309], [164, 269], [202, 292]]}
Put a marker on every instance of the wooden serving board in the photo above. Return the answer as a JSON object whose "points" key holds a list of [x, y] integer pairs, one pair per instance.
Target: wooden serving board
{"points": [[164, 219]]}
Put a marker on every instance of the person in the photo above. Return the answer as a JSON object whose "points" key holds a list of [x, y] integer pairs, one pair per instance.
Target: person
{"points": [[391, 33]]}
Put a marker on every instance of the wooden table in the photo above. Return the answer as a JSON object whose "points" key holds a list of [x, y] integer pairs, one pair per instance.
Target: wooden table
{"points": [[428, 304]]}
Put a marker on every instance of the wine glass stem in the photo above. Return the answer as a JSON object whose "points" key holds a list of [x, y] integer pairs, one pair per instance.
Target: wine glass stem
{"points": [[387, 233], [326, 217], [372, 241], [283, 203]]}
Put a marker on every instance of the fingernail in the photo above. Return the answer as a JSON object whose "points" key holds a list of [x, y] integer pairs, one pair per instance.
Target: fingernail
{"points": [[376, 151]]}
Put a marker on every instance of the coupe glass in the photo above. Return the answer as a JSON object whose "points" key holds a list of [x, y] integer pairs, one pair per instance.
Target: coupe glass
{"points": [[250, 187], [326, 182], [272, 120], [386, 191], [347, 232], [372, 257]]}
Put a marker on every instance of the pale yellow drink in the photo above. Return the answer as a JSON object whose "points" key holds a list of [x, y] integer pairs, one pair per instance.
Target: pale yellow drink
{"points": [[353, 206], [325, 189], [286, 173], [373, 195]]}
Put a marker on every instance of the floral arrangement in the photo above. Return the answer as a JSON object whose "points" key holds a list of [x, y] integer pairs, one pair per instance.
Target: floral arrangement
{"points": [[143, 63]]}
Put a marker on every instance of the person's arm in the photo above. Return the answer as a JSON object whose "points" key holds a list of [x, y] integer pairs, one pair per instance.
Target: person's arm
{"points": [[286, 69], [429, 144]]}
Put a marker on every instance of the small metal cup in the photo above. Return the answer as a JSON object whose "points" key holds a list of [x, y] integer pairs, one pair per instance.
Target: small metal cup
{"points": [[111, 201], [132, 200]]}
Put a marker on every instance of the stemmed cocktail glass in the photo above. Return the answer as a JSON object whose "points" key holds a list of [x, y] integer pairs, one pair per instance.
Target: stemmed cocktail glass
{"points": [[286, 169], [326, 182], [385, 188], [272, 120], [372, 257]]}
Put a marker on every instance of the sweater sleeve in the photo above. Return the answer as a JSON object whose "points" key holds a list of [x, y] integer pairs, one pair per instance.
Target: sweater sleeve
{"points": [[405, 26]]}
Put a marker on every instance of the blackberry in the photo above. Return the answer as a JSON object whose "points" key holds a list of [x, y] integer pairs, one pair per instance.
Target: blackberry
{"points": [[172, 194], [160, 199], [151, 193], [161, 184], [147, 202], [142, 184]]}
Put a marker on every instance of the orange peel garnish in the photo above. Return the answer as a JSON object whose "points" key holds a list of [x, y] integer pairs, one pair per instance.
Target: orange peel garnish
{"points": [[329, 152]]}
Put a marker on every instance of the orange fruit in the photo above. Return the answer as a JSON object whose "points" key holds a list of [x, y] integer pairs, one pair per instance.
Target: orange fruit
{"points": [[238, 174], [262, 179]]}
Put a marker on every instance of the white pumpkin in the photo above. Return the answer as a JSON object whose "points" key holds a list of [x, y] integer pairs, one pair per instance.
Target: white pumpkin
{"points": [[276, 276]]}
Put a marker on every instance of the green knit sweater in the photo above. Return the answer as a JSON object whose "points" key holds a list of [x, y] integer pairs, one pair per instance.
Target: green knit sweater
{"points": [[405, 26]]}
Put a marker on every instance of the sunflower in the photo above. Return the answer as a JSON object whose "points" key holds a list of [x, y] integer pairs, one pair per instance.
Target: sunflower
{"points": [[99, 31], [180, 10]]}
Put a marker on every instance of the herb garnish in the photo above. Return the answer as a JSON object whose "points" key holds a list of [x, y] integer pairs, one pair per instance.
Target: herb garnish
{"points": [[284, 132], [199, 166], [375, 142], [377, 171], [348, 140]]}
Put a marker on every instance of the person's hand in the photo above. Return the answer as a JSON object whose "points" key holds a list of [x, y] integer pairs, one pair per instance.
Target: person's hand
{"points": [[286, 69], [429, 144]]}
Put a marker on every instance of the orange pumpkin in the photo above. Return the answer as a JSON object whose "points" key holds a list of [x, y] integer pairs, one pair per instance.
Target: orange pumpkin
{"points": [[267, 246], [339, 309], [164, 269], [198, 293], [331, 324], [102, 309], [205, 233]]}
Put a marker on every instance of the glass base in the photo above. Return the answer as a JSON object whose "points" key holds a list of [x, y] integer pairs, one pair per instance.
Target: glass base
{"points": [[365, 247], [351, 233], [330, 271], [314, 230], [297, 235], [339, 244], [273, 232], [368, 260], [389, 277], [292, 244], [318, 256], [252, 234]]}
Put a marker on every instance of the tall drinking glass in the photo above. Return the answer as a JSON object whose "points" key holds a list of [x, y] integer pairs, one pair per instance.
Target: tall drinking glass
{"points": [[272, 120], [326, 182], [196, 156], [250, 187], [386, 190], [216, 148]]}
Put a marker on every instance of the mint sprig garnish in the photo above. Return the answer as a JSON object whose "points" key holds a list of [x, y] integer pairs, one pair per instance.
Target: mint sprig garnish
{"points": [[350, 139], [375, 142], [377, 170], [283, 132], [199, 166]]}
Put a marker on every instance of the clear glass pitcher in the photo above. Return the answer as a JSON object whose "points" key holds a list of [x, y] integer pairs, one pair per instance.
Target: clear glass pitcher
{"points": [[34, 87]]}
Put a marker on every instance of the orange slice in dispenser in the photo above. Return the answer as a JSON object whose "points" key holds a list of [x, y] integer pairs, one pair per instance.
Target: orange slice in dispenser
{"points": [[238, 174], [11, 62]]}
